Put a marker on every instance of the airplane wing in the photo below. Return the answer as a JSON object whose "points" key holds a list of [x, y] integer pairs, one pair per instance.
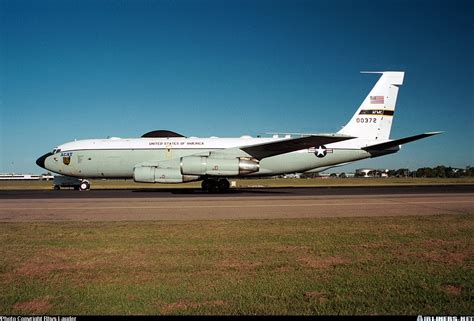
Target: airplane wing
{"points": [[396, 142], [264, 150]]}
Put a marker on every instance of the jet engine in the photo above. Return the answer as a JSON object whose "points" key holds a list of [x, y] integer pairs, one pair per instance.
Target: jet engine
{"points": [[154, 174], [204, 165]]}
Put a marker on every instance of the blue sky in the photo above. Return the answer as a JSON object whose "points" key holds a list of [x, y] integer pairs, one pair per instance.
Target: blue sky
{"points": [[91, 69]]}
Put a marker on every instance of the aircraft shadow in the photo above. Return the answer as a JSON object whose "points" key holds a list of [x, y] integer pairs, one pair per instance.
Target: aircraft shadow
{"points": [[188, 191]]}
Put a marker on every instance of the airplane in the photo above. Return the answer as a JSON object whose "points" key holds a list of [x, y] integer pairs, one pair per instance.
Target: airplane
{"points": [[164, 156]]}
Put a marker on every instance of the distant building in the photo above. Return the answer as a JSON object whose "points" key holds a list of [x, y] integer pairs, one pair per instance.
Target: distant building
{"points": [[371, 172], [293, 175], [365, 172]]}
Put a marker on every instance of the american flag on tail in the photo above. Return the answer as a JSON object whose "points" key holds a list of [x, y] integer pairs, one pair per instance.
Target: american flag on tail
{"points": [[376, 100]]}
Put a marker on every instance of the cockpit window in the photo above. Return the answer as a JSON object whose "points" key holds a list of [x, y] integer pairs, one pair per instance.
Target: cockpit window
{"points": [[56, 150]]}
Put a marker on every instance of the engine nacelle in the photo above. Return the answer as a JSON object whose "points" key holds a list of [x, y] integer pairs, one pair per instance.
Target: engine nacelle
{"points": [[203, 165], [154, 174]]}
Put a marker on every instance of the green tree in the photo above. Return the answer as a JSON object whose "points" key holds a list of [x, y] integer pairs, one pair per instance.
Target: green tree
{"points": [[439, 171]]}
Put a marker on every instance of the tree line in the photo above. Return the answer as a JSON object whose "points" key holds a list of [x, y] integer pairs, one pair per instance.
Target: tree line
{"points": [[443, 171], [429, 172]]}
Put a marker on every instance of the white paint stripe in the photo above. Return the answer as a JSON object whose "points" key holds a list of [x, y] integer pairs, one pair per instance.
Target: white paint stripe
{"points": [[230, 206]]}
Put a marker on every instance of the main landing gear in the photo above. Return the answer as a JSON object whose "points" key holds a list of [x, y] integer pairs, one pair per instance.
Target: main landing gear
{"points": [[220, 185]]}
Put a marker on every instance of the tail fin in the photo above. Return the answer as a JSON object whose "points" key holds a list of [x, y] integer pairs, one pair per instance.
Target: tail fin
{"points": [[373, 119]]}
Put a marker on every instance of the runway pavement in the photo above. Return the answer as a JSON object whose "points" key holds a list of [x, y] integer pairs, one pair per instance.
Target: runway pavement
{"points": [[244, 192], [129, 205]]}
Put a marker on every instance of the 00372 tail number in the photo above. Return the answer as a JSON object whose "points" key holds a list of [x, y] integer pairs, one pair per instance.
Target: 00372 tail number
{"points": [[366, 120]]}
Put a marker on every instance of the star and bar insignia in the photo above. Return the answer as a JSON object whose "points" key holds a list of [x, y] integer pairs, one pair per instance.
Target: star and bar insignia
{"points": [[321, 151]]}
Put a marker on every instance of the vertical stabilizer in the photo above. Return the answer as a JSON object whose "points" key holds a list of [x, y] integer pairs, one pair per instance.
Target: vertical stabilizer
{"points": [[373, 119]]}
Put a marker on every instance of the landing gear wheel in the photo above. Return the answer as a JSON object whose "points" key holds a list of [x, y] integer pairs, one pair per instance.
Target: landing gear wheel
{"points": [[84, 186], [205, 185], [56, 187], [223, 185], [210, 185], [213, 186]]}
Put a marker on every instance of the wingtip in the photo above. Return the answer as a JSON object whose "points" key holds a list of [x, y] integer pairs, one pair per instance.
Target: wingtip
{"points": [[434, 133]]}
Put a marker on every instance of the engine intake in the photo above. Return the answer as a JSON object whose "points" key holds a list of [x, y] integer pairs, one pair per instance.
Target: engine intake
{"points": [[204, 165]]}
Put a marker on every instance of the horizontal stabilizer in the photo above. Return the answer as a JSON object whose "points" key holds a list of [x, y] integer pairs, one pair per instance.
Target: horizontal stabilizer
{"points": [[292, 144], [397, 142]]}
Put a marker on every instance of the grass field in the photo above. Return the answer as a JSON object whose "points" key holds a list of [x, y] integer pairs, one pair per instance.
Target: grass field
{"points": [[246, 183], [387, 265]]}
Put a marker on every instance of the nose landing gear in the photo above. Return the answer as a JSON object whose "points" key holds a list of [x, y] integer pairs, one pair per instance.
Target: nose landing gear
{"points": [[67, 181], [84, 186]]}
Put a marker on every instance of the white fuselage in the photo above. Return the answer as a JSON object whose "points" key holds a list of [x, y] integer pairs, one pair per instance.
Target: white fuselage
{"points": [[116, 157]]}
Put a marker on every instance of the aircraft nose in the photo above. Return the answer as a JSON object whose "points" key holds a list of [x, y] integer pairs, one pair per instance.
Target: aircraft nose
{"points": [[40, 161]]}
